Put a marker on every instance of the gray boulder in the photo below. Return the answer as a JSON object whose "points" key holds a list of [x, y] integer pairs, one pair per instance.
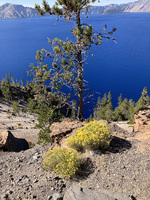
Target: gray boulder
{"points": [[75, 192], [57, 196]]}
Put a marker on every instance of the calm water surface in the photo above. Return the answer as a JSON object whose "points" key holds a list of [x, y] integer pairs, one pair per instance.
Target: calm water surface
{"points": [[120, 68]]}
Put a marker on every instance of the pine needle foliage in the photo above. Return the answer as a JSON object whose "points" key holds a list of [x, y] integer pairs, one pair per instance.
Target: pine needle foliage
{"points": [[69, 57], [125, 109], [6, 89]]}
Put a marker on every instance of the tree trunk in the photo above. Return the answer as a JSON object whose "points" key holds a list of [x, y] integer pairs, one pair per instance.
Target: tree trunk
{"points": [[80, 71]]}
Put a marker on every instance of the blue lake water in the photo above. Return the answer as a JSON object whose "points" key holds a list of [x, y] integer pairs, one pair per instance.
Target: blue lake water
{"points": [[120, 68]]}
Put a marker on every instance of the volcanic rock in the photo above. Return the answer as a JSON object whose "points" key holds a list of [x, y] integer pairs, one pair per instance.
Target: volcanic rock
{"points": [[75, 192], [142, 119], [9, 143], [62, 129]]}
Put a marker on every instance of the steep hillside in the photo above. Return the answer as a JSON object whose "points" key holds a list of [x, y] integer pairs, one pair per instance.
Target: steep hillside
{"points": [[8, 11], [137, 6]]}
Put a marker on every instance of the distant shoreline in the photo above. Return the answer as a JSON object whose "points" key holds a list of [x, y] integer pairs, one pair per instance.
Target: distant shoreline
{"points": [[13, 11]]}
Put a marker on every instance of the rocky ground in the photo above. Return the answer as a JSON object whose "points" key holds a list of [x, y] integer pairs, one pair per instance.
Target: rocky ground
{"points": [[21, 126], [22, 176], [123, 168]]}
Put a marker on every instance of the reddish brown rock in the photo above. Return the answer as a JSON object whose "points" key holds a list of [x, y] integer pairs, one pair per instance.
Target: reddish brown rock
{"points": [[9, 143], [142, 119], [63, 129]]}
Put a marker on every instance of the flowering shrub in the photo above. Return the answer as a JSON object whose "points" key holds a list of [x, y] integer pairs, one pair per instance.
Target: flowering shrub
{"points": [[92, 136], [64, 162], [26, 199]]}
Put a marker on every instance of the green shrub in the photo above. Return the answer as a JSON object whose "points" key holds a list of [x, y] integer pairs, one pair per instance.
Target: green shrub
{"points": [[92, 136], [15, 107], [32, 105], [46, 116], [65, 162]]}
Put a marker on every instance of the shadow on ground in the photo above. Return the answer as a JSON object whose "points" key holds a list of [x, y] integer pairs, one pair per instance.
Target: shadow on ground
{"points": [[87, 167], [118, 145]]}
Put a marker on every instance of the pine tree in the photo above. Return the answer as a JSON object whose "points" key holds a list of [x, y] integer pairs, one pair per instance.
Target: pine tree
{"points": [[104, 108], [6, 89], [12, 79], [131, 110], [69, 57], [109, 107], [119, 99], [144, 100], [145, 96]]}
